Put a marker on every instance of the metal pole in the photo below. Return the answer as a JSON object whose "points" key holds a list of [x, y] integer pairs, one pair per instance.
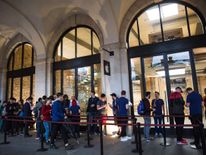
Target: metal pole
{"points": [[136, 150], [165, 144], [201, 128], [88, 137], [139, 139], [101, 138], [5, 133]]}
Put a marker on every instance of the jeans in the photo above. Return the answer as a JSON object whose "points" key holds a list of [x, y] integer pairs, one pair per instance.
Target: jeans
{"points": [[38, 128], [147, 122], [91, 118], [47, 130], [124, 122], [179, 129], [58, 127], [158, 121]]}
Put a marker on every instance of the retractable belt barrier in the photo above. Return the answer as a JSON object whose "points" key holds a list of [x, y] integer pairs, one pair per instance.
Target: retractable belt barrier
{"points": [[99, 121]]}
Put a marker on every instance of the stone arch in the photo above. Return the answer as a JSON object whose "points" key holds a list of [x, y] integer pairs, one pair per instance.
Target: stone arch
{"points": [[137, 6]]}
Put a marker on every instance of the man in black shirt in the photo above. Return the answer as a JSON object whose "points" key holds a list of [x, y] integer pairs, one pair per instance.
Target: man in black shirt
{"points": [[92, 111]]}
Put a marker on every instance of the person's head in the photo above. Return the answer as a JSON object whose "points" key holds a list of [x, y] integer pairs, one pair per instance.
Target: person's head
{"points": [[44, 98], [114, 96], [178, 89], [103, 97], [148, 94], [92, 93], [55, 97], [66, 97], [189, 90], [12, 100], [73, 97], [51, 97], [49, 101], [39, 99], [4, 103], [123, 93], [60, 96], [157, 94], [29, 99]]}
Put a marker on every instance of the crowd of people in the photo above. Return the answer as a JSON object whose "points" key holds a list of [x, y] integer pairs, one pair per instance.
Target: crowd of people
{"points": [[51, 112]]}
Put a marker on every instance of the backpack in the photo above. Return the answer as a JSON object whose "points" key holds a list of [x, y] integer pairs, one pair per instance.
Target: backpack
{"points": [[141, 108]]}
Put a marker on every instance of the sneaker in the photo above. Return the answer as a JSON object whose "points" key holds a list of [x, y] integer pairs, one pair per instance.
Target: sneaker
{"points": [[148, 140], [196, 147], [192, 143], [53, 146], [128, 137], [184, 141], [68, 146], [37, 138], [181, 142], [123, 139], [156, 135]]}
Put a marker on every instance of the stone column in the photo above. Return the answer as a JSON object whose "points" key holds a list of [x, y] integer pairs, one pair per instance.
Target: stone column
{"points": [[3, 84]]}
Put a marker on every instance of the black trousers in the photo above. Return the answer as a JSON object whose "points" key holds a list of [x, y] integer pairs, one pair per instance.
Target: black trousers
{"points": [[196, 120], [179, 129], [122, 121], [54, 130]]}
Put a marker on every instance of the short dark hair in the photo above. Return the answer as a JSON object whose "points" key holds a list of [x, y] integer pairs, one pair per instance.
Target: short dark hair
{"points": [[123, 92], [178, 88], [29, 98], [188, 89], [65, 96], [103, 95], [39, 99], [44, 97], [147, 93], [156, 92], [93, 91], [59, 94]]}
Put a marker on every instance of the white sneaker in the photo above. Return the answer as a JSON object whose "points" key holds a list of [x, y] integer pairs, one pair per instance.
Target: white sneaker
{"points": [[128, 137], [123, 139]]}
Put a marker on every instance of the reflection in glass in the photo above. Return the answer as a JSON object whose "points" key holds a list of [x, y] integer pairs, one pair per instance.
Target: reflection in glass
{"points": [[200, 66], [69, 82], [154, 80], [133, 36], [25, 87], [18, 58], [27, 56], [58, 53], [96, 43], [16, 88], [97, 79], [136, 75], [84, 86], [149, 26], [68, 46], [196, 27], [58, 81], [9, 88], [174, 21], [83, 42]]}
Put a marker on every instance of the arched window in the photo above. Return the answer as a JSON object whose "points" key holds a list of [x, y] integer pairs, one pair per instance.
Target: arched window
{"points": [[20, 71], [164, 22], [77, 64]]}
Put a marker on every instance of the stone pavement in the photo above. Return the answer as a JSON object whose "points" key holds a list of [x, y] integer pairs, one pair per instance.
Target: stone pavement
{"points": [[112, 146]]}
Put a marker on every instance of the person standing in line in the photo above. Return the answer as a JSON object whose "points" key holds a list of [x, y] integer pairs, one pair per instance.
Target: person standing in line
{"points": [[75, 111], [102, 110], [177, 109], [57, 117], [158, 110], [27, 114], [122, 115], [114, 108], [147, 118], [46, 116], [194, 102], [92, 112]]}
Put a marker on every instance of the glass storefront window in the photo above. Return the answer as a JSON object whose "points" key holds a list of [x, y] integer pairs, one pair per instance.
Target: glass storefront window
{"points": [[136, 76], [27, 56], [69, 82], [58, 53], [16, 88], [9, 88], [149, 26], [83, 42], [18, 58], [11, 63], [97, 79], [26, 87], [133, 35], [84, 86], [58, 81], [196, 27], [96, 43], [68, 46]]}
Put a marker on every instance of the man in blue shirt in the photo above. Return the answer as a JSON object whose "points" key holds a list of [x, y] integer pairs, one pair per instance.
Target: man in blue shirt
{"points": [[194, 102], [123, 105], [57, 117]]}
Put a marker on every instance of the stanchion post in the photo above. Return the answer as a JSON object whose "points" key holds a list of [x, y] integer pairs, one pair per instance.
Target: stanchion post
{"points": [[5, 133], [201, 127], [165, 144], [136, 150], [42, 149], [88, 137], [101, 138], [139, 139]]}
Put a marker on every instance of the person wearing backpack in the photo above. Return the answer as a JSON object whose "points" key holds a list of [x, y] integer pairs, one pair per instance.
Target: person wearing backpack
{"points": [[158, 110], [147, 118], [177, 110]]}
